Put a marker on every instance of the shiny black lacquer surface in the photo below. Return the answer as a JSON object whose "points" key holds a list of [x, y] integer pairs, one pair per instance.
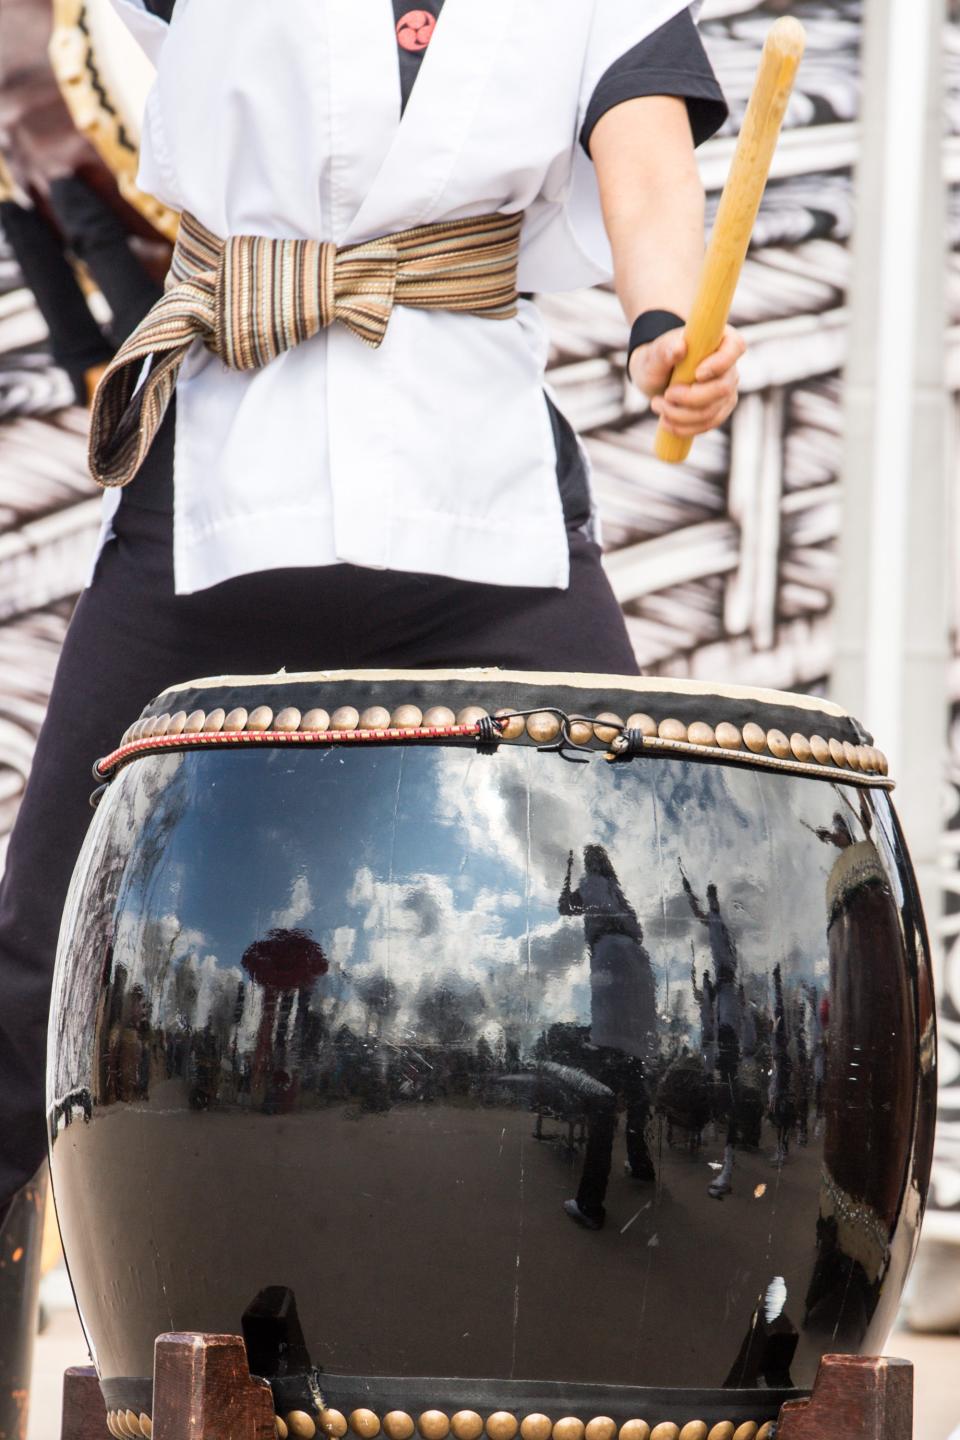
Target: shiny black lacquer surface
{"points": [[359, 1022]]}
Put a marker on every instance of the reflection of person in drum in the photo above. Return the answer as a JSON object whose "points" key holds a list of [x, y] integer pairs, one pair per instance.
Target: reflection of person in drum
{"points": [[411, 503], [623, 1029], [727, 1007]]}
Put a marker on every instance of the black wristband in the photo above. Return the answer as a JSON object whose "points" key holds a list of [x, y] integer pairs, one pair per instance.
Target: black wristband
{"points": [[650, 326]]}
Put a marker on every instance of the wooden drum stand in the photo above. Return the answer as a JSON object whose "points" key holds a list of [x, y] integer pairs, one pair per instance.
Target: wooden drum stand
{"points": [[203, 1391]]}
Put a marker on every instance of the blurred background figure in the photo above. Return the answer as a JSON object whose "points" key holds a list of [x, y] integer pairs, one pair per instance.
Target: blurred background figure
{"points": [[61, 211]]}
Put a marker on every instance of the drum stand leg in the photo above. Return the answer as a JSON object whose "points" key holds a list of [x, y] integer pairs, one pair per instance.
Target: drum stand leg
{"points": [[202, 1387], [855, 1398], [21, 1233], [84, 1413]]}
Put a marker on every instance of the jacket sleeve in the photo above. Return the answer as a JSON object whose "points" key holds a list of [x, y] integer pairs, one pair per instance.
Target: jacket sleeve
{"points": [[618, 27], [147, 22], [670, 61]]}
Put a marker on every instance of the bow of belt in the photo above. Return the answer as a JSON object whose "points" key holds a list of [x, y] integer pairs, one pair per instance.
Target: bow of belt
{"points": [[249, 298]]}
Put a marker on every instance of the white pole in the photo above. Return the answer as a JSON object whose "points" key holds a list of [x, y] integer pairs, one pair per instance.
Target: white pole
{"points": [[892, 601]]}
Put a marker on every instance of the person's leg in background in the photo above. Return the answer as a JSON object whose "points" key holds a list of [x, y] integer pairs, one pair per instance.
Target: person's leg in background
{"points": [[96, 236], [77, 344]]}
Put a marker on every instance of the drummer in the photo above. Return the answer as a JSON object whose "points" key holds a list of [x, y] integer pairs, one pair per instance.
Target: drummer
{"points": [[411, 503]]}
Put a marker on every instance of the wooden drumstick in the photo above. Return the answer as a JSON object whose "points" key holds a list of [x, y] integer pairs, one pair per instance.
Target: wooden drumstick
{"points": [[738, 211]]}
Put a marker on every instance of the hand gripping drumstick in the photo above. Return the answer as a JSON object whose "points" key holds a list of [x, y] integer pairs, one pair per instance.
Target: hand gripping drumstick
{"points": [[738, 211]]}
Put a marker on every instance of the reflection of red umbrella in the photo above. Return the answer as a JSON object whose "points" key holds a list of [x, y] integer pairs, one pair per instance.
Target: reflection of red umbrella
{"points": [[281, 960], [285, 960]]}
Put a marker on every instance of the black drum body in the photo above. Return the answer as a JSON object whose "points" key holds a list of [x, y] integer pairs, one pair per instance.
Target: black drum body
{"points": [[428, 1056]]}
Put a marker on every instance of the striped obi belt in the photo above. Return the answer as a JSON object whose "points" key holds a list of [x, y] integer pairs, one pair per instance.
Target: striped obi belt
{"points": [[249, 299]]}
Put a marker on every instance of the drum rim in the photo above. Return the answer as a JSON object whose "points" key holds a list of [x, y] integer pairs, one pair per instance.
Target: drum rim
{"points": [[547, 726], [484, 675]]}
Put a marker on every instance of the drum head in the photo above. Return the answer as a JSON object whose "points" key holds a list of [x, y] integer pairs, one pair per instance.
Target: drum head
{"points": [[104, 77]]}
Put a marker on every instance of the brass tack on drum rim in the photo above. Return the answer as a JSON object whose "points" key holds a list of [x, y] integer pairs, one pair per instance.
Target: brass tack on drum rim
{"points": [[700, 733], [438, 717], [334, 1422], [837, 752], [301, 1425], [513, 727], [408, 717], [375, 717], [194, 723], [288, 720], [778, 744], [728, 736], [635, 1430], [280, 1425], [364, 1422], [346, 718], [723, 1431], [803, 752], [397, 1424], [471, 715], [672, 730], [767, 1432], [124, 1426], [748, 1431], [214, 722], [434, 1425], [112, 1424], [236, 721], [601, 1427], [501, 1425], [260, 719], [146, 1425], [147, 728], [580, 731], [467, 1425], [694, 1430], [315, 720], [163, 724], [610, 727], [569, 1428], [133, 1420], [852, 755], [543, 727], [644, 723], [536, 1426], [178, 722], [821, 753], [666, 1431], [754, 738]]}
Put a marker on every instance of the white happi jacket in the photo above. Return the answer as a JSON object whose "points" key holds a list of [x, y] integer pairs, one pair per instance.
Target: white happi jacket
{"points": [[282, 118]]}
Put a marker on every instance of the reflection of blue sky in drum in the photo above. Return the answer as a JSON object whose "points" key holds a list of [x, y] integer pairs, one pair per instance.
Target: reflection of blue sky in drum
{"points": [[433, 866]]}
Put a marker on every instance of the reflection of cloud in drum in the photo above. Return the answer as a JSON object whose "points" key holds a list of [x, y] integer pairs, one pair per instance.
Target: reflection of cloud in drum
{"points": [[298, 908]]}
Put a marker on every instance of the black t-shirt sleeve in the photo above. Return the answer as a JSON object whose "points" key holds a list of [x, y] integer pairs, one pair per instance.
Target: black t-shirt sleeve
{"points": [[671, 61], [162, 8]]}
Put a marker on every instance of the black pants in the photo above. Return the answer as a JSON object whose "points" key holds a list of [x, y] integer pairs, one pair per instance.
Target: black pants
{"points": [[131, 636]]}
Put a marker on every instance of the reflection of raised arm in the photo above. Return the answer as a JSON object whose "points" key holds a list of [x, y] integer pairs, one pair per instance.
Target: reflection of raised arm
{"points": [[571, 902], [695, 905]]}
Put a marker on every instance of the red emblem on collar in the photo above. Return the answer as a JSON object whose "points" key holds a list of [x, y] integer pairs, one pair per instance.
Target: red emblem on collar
{"points": [[415, 30]]}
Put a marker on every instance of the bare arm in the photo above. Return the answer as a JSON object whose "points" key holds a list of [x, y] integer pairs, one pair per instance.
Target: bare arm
{"points": [[653, 209]]}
